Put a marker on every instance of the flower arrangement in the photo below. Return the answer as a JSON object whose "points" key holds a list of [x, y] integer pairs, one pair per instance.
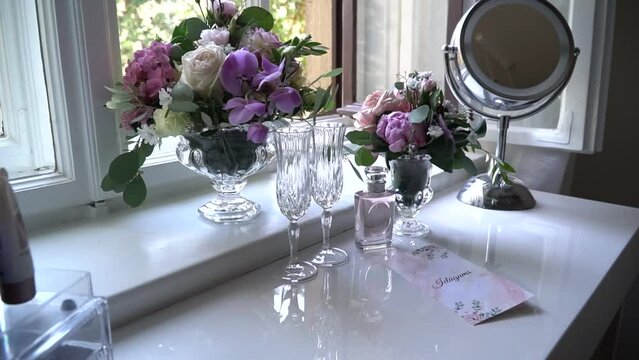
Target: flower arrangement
{"points": [[415, 118], [224, 69]]}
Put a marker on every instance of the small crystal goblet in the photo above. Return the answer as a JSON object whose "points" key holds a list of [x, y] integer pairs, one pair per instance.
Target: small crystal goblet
{"points": [[410, 176]]}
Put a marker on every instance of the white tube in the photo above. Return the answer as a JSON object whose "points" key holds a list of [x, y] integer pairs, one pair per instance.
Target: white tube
{"points": [[17, 284]]}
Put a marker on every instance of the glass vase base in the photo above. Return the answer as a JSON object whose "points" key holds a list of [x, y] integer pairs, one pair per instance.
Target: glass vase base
{"points": [[230, 211], [330, 257], [299, 272], [410, 228]]}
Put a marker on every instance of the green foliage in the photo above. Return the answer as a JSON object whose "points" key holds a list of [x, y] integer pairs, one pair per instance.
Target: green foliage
{"points": [[256, 16], [125, 177], [419, 115], [364, 157], [290, 17]]}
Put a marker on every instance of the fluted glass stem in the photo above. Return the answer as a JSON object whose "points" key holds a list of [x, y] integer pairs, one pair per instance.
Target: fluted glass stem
{"points": [[327, 219], [293, 238]]}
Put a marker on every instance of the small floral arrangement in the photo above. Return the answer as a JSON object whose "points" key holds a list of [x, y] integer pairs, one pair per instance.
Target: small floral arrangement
{"points": [[415, 118], [224, 69]]}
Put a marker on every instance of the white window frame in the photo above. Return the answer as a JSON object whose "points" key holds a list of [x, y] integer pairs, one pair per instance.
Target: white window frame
{"points": [[81, 55], [27, 142]]}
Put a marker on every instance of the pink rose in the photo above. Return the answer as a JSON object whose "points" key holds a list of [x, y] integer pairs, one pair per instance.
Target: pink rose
{"points": [[365, 120], [398, 132], [389, 102], [371, 100]]}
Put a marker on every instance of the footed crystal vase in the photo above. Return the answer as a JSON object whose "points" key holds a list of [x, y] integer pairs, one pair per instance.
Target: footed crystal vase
{"points": [[227, 158], [410, 176]]}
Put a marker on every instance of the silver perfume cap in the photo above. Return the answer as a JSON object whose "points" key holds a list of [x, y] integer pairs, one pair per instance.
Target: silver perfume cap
{"points": [[376, 178]]}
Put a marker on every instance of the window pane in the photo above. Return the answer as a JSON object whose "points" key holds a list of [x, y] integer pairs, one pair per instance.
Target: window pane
{"points": [[26, 140], [397, 37], [299, 17]]}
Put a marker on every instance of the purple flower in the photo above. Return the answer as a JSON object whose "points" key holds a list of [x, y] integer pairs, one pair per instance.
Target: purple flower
{"points": [[149, 71], [243, 110], [257, 133], [398, 132], [442, 124], [268, 79], [226, 8], [238, 66], [260, 40], [285, 99]]}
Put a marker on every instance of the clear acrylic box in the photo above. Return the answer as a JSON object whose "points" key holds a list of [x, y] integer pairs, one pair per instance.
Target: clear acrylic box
{"points": [[64, 321]]}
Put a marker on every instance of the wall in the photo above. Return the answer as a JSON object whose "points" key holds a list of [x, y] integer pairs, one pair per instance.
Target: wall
{"points": [[612, 174]]}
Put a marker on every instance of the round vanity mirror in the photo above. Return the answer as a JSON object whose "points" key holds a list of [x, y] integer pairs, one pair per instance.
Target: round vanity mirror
{"points": [[508, 59]]}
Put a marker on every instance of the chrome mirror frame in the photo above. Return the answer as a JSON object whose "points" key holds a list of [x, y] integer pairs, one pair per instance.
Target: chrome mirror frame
{"points": [[478, 92]]}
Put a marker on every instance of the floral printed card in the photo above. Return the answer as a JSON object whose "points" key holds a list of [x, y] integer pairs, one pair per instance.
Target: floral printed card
{"points": [[473, 293]]}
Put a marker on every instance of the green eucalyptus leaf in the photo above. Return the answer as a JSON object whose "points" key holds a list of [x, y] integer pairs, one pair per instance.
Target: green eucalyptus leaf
{"points": [[182, 92], [135, 192], [107, 183], [364, 157], [419, 114], [256, 16], [117, 90], [124, 167], [359, 137], [183, 106], [146, 149], [176, 53], [321, 98]]}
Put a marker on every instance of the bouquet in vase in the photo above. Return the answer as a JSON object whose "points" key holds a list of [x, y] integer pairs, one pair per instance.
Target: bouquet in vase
{"points": [[414, 118], [222, 70]]}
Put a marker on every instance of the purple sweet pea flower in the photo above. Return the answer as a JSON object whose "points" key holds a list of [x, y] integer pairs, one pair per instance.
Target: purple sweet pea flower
{"points": [[270, 78], [257, 133], [243, 110], [442, 124], [285, 99], [238, 66], [398, 132]]}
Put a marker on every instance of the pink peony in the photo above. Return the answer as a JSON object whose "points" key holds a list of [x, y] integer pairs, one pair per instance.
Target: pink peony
{"points": [[149, 71], [398, 132]]}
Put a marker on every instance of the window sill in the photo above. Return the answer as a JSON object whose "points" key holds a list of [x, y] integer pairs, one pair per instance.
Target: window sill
{"points": [[145, 259]]}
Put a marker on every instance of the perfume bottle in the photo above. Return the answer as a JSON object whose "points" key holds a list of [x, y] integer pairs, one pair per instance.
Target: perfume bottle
{"points": [[374, 211]]}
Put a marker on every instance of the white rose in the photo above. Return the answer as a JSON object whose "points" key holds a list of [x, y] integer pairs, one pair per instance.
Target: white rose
{"points": [[200, 68], [214, 36]]}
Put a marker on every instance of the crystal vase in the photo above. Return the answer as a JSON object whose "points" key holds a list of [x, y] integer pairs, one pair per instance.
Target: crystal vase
{"points": [[410, 176], [227, 158]]}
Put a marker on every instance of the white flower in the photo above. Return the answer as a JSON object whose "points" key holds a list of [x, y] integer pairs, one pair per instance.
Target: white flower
{"points": [[200, 68], [435, 131], [214, 36], [423, 75], [148, 135], [170, 123], [412, 83], [165, 96]]}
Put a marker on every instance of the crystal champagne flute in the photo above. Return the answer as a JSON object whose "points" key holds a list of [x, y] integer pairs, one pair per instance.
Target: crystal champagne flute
{"points": [[328, 181], [293, 189]]}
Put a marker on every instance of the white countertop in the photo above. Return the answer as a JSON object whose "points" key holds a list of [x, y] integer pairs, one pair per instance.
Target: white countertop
{"points": [[578, 257]]}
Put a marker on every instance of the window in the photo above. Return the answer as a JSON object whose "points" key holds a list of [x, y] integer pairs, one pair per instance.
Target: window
{"points": [[26, 140]]}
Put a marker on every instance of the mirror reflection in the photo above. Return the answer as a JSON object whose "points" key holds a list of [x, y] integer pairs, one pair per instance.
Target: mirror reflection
{"points": [[504, 57]]}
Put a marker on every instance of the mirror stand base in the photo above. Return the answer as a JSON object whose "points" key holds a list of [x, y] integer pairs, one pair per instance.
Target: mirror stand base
{"points": [[478, 191]]}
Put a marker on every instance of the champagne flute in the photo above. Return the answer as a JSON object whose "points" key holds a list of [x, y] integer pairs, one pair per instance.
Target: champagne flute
{"points": [[293, 189], [328, 181]]}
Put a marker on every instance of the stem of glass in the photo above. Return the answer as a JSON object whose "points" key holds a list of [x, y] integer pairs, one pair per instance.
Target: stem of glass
{"points": [[293, 237], [327, 219]]}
